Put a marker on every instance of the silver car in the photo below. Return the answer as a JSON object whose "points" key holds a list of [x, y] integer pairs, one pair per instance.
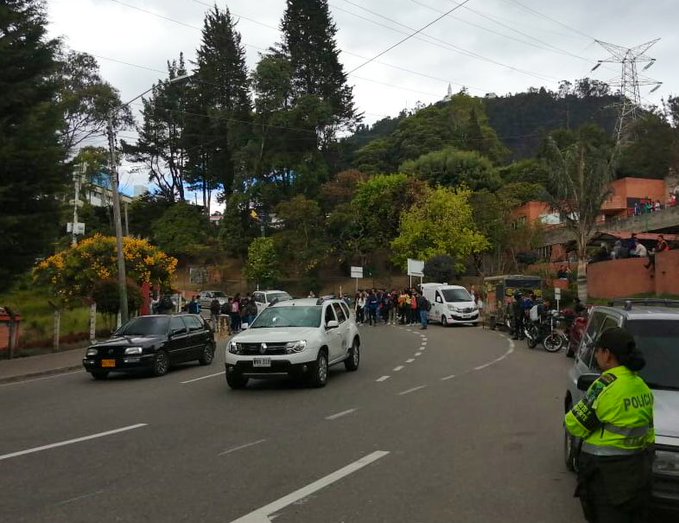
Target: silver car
{"points": [[655, 327]]}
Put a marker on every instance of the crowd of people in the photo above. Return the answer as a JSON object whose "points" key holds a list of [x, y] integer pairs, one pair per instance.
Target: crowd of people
{"points": [[647, 205], [630, 248], [229, 316], [406, 307]]}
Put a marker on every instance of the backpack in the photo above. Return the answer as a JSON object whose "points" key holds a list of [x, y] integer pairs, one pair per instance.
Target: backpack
{"points": [[225, 308], [424, 304], [533, 314]]}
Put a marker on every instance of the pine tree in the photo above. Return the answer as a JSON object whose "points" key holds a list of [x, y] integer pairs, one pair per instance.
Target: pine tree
{"points": [[219, 125], [309, 44], [31, 157]]}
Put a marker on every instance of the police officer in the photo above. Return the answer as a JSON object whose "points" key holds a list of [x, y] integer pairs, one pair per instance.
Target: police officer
{"points": [[615, 423]]}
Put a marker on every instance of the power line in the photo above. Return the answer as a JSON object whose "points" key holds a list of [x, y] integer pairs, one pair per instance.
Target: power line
{"points": [[538, 13]]}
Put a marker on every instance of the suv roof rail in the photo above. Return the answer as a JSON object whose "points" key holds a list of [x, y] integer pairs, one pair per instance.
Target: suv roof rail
{"points": [[649, 302]]}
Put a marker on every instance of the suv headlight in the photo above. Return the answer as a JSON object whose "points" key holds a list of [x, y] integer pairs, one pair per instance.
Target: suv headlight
{"points": [[452, 308], [666, 463], [91, 352], [233, 347], [133, 351], [295, 346]]}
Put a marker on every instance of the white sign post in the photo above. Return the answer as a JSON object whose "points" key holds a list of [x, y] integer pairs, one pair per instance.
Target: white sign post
{"points": [[357, 272], [415, 268], [557, 297]]}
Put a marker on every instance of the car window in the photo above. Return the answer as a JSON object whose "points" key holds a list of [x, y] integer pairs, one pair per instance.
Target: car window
{"points": [[456, 295], [658, 341], [438, 297], [345, 308], [590, 336], [193, 323], [294, 316], [341, 317], [177, 324], [329, 314], [259, 298], [608, 323], [145, 326]]}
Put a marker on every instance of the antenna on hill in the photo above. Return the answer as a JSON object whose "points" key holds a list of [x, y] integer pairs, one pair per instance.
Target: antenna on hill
{"points": [[629, 82]]}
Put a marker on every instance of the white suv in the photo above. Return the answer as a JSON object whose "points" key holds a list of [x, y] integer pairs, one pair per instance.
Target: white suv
{"points": [[264, 298], [299, 338]]}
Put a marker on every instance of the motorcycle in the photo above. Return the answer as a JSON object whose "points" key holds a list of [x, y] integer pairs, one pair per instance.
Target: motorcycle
{"points": [[545, 331]]}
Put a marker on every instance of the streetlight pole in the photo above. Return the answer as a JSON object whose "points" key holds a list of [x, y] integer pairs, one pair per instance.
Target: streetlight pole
{"points": [[120, 255]]}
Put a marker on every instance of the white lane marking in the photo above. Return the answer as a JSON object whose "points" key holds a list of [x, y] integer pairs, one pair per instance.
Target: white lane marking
{"points": [[261, 515], [400, 367], [411, 390], [382, 378], [418, 354], [241, 447], [410, 360], [41, 379], [496, 360], [203, 377], [78, 498], [424, 339], [448, 377], [70, 441], [424, 343], [340, 414]]}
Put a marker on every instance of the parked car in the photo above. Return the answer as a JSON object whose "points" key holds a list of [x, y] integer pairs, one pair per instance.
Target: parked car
{"points": [[264, 298], [152, 344], [299, 338], [205, 298], [655, 327]]}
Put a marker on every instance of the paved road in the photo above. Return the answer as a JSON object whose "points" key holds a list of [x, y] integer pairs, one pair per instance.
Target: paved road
{"points": [[441, 425]]}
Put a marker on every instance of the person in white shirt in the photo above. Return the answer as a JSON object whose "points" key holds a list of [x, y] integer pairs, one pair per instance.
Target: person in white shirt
{"points": [[640, 251]]}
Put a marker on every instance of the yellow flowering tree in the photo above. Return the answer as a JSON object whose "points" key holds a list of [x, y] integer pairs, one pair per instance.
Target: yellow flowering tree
{"points": [[74, 273]]}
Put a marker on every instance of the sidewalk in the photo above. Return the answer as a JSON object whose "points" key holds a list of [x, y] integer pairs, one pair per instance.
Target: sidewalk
{"points": [[36, 366]]}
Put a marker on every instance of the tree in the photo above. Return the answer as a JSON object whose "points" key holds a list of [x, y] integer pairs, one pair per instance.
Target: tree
{"points": [[161, 142], [580, 184], [32, 157], [219, 127], [440, 268], [440, 222], [72, 274], [450, 167], [341, 189], [302, 238], [262, 265], [183, 231], [85, 99], [653, 150]]}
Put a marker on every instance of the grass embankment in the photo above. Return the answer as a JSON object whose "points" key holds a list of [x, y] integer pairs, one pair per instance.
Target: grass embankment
{"points": [[37, 319]]}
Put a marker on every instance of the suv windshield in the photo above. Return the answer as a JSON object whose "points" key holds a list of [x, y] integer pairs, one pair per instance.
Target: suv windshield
{"points": [[454, 295], [145, 326], [658, 341], [280, 296], [288, 317], [218, 294]]}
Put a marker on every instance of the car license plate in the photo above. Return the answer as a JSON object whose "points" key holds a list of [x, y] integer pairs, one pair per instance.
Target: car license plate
{"points": [[261, 362], [108, 363]]}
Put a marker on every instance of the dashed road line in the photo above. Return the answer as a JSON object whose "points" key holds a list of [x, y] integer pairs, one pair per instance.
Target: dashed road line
{"points": [[448, 377], [203, 377], [241, 447], [71, 441], [400, 367], [418, 354], [411, 390], [340, 414], [382, 378], [410, 360]]}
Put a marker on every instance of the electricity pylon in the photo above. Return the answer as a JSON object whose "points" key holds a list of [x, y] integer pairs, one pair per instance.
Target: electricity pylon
{"points": [[629, 82]]}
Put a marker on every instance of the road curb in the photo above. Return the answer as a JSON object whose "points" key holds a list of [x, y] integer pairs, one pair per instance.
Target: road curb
{"points": [[40, 374]]}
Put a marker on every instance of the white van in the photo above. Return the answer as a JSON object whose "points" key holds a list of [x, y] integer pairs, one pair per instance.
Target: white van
{"points": [[450, 304]]}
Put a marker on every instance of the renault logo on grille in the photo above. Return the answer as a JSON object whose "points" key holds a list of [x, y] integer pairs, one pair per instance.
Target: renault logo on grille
{"points": [[262, 348]]}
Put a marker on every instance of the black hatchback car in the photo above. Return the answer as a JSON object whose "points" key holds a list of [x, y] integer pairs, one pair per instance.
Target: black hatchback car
{"points": [[152, 343]]}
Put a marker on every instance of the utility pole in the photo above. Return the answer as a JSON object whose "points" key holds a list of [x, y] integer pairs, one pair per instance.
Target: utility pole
{"points": [[629, 82], [120, 255], [77, 179]]}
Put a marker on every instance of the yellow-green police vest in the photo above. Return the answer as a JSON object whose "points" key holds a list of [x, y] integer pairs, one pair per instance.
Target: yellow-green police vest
{"points": [[615, 417]]}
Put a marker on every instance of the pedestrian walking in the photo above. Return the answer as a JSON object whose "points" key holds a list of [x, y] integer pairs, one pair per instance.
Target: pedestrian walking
{"points": [[424, 307], [614, 420], [371, 303], [215, 308], [193, 306], [235, 313]]}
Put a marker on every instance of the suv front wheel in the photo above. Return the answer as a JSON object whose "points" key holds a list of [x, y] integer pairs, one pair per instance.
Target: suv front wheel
{"points": [[319, 370], [354, 357]]}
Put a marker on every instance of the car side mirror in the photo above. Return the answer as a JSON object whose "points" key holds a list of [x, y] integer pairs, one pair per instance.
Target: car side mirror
{"points": [[585, 381], [332, 324]]}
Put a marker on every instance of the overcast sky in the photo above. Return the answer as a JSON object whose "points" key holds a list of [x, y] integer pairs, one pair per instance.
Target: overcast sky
{"points": [[487, 46]]}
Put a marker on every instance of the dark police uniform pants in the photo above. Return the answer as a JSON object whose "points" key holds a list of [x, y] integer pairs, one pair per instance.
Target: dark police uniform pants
{"points": [[615, 489]]}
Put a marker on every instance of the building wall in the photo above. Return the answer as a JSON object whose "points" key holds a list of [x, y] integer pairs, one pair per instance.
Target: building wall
{"points": [[627, 277]]}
